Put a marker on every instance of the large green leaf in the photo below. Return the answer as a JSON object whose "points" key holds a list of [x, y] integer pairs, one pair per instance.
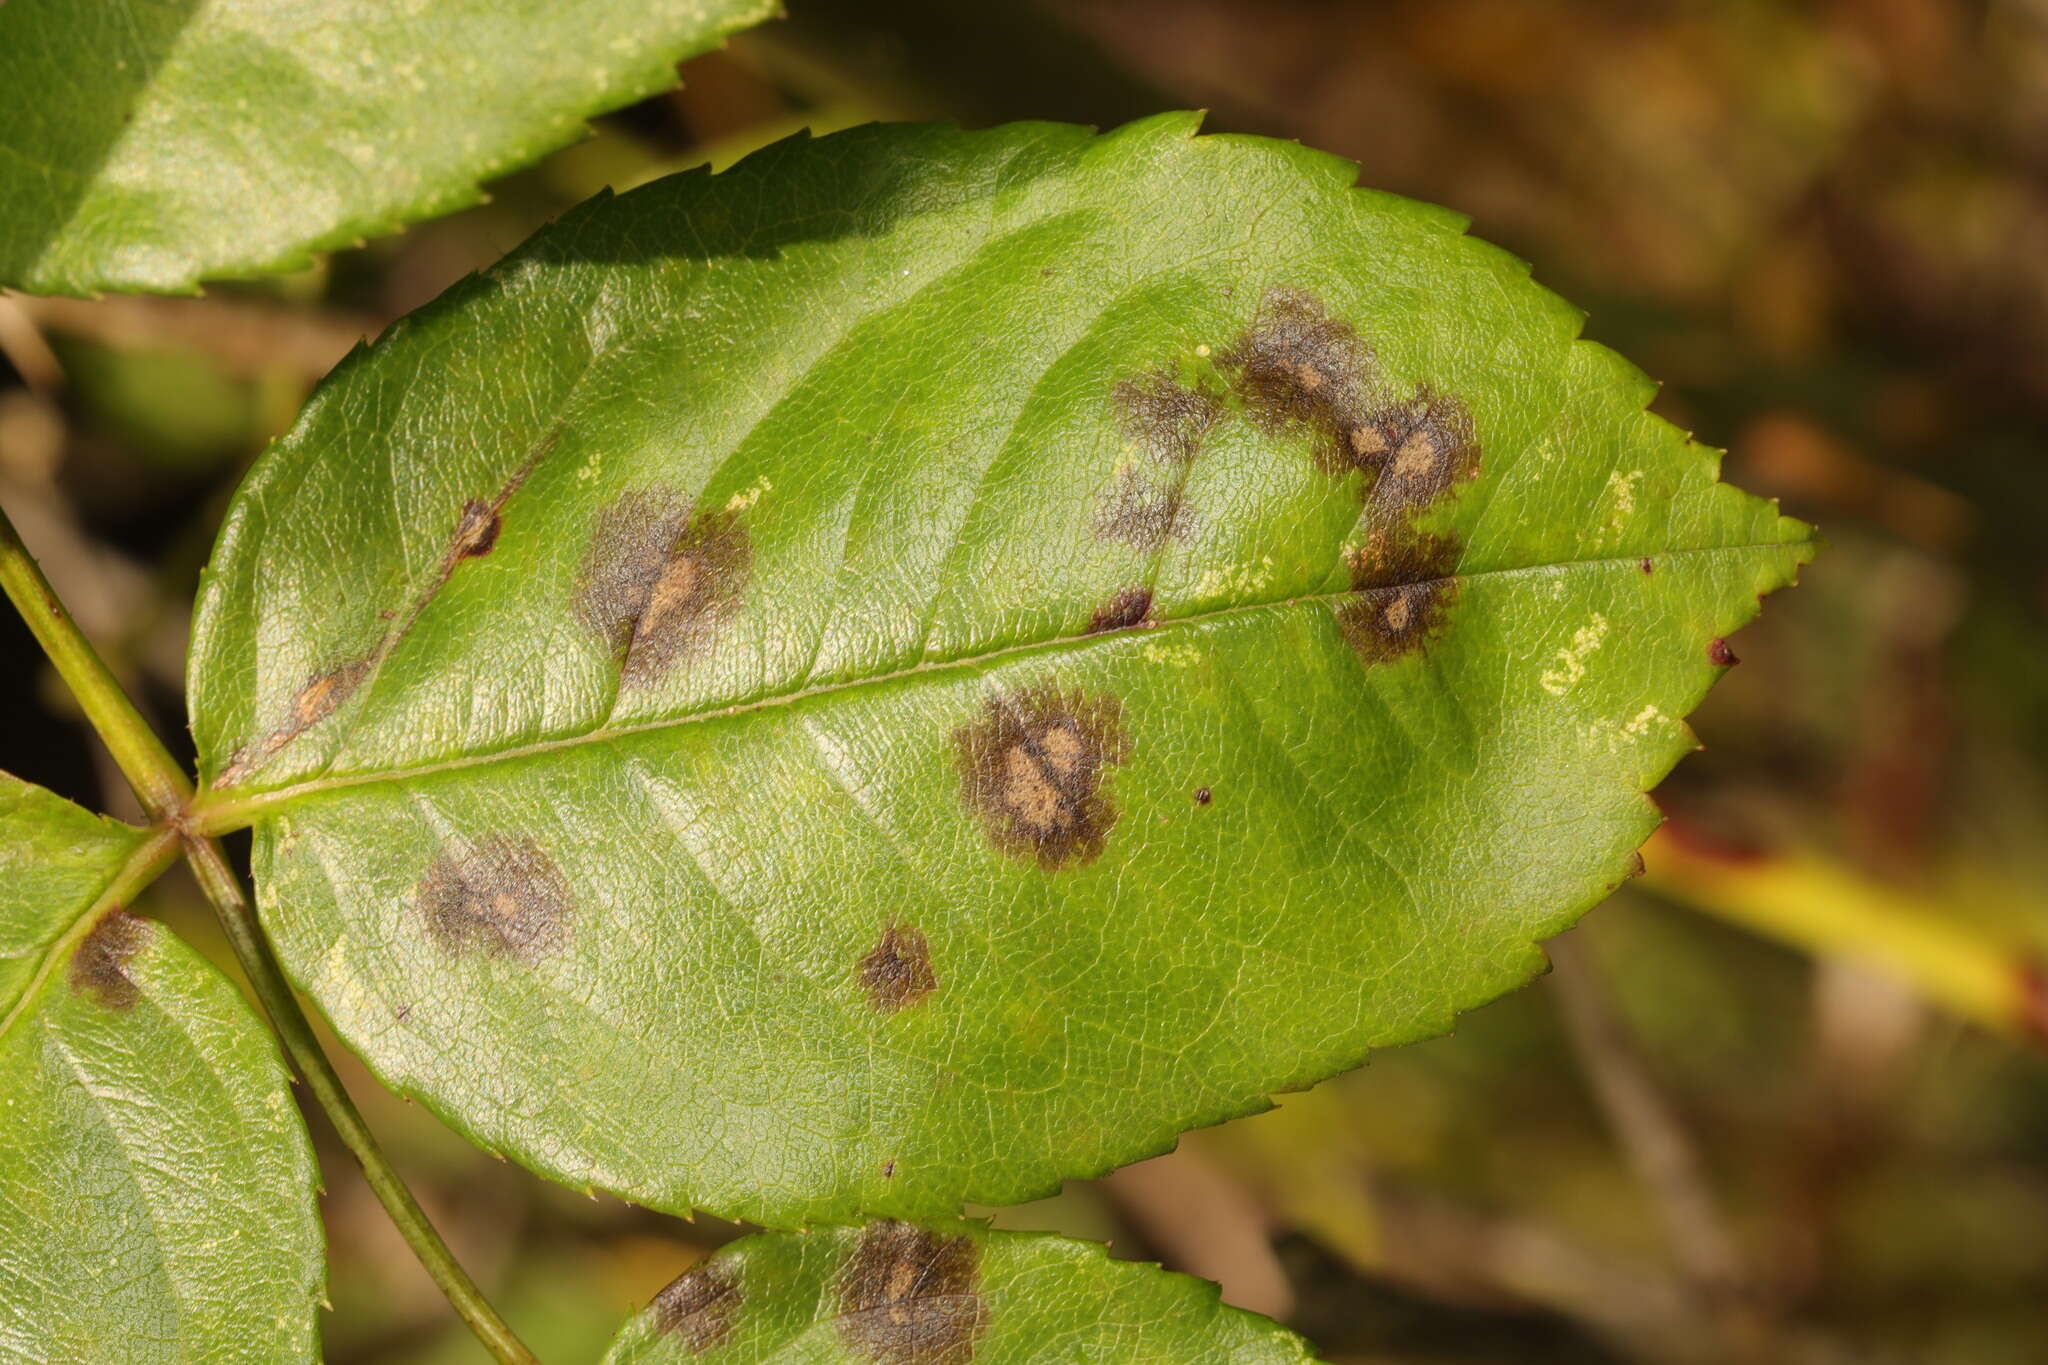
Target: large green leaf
{"points": [[933, 661], [156, 1184], [897, 1294], [149, 144]]}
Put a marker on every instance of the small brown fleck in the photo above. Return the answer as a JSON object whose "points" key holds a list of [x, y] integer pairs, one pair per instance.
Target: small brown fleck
{"points": [[1720, 655], [99, 965], [911, 1297], [1404, 585], [889, 1169], [502, 895], [700, 1305], [1648, 565], [1141, 513], [1032, 769], [1636, 867], [1421, 448], [1298, 369], [476, 532], [1130, 607], [897, 972], [1164, 418], [1203, 796], [658, 580]]}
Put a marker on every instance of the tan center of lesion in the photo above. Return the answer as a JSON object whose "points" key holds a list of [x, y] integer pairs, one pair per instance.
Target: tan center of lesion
{"points": [[1418, 455], [674, 593], [1398, 614], [1036, 775]]}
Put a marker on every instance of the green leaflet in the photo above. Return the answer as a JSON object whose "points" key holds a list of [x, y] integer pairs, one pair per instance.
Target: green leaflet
{"points": [[149, 144], [931, 662], [896, 1294], [156, 1182]]}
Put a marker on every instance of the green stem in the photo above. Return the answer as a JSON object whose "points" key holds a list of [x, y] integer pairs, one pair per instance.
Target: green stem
{"points": [[166, 794], [260, 964], [159, 782]]}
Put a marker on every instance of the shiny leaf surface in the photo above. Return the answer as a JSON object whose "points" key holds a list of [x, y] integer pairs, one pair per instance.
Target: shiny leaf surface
{"points": [[156, 1182], [931, 662]]}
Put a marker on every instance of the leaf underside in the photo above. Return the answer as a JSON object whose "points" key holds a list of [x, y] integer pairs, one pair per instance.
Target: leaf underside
{"points": [[896, 1294], [149, 144], [156, 1182], [931, 662]]}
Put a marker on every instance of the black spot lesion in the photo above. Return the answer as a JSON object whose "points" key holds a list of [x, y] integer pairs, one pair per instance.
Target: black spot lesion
{"points": [[910, 1296], [1296, 369], [700, 1307], [476, 532], [1420, 449], [1402, 586], [1164, 417], [1033, 766], [1142, 512], [100, 964], [897, 972], [319, 697], [501, 895], [1127, 608], [660, 580]]}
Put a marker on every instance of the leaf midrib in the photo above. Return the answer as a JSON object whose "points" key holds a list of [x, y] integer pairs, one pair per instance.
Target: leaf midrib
{"points": [[219, 811]]}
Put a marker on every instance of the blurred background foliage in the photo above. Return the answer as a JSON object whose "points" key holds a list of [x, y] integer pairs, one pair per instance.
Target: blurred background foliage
{"points": [[1785, 1097]]}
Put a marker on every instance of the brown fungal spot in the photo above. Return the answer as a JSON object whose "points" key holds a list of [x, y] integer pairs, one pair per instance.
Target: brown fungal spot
{"points": [[1163, 417], [1203, 796], [658, 580], [1297, 369], [699, 1306], [1032, 769], [1719, 655], [476, 532], [320, 697], [1141, 513], [1403, 585], [889, 1169], [502, 895], [1647, 565], [909, 1296], [1420, 448], [99, 965], [897, 972], [1130, 607]]}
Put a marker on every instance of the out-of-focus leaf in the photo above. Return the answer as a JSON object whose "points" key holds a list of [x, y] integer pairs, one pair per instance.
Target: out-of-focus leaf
{"points": [[941, 1295], [150, 144]]}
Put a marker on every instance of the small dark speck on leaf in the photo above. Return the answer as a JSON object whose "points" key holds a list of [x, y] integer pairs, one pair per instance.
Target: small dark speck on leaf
{"points": [[99, 965], [502, 895], [911, 1297], [897, 972], [1203, 796], [1128, 608], [476, 532], [1720, 655], [1032, 768], [889, 1169], [1648, 566], [699, 1306]]}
